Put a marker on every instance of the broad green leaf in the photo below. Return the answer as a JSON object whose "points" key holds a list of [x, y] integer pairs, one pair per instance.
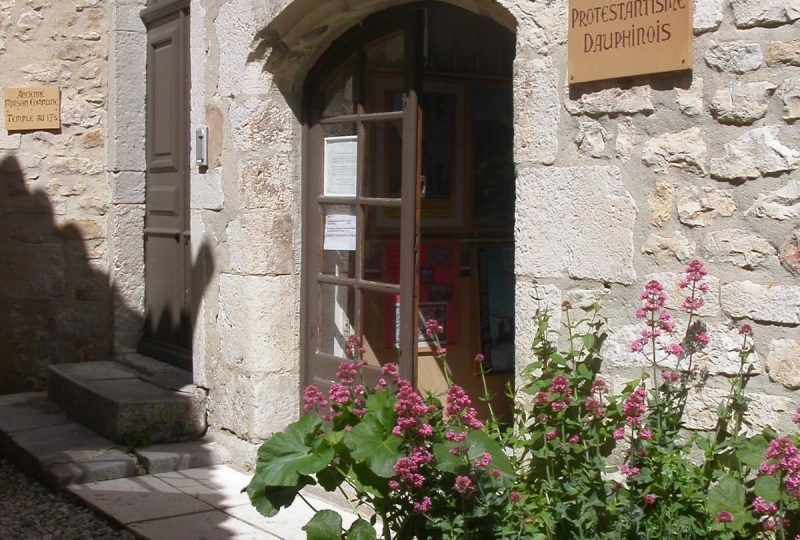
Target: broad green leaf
{"points": [[325, 525], [752, 452], [372, 442], [768, 488], [269, 500], [480, 442], [361, 530], [330, 478], [296, 451], [728, 495], [382, 404], [588, 341], [444, 460]]}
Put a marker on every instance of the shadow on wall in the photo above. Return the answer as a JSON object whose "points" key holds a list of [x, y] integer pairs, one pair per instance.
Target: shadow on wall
{"points": [[57, 305]]}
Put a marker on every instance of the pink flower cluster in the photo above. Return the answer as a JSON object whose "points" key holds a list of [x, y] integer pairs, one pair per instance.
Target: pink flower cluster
{"points": [[312, 399], [693, 275], [411, 412], [635, 406], [458, 407], [561, 392], [783, 458], [433, 327], [354, 347], [464, 485]]}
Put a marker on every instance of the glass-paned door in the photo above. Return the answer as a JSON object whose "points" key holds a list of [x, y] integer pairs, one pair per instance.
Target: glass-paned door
{"points": [[361, 209]]}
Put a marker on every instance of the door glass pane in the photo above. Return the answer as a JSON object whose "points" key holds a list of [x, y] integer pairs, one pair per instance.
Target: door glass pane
{"points": [[384, 163], [339, 160], [385, 61], [337, 93], [337, 318], [339, 238], [381, 326], [382, 244]]}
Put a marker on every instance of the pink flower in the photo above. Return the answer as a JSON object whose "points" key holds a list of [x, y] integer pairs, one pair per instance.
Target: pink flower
{"points": [[649, 499], [423, 506], [540, 399], [763, 508], [483, 461], [559, 406], [645, 434], [432, 326], [702, 339], [560, 385], [391, 372], [599, 387], [566, 305], [551, 435], [456, 437], [425, 431], [670, 376], [354, 345], [339, 394], [619, 434], [515, 497], [394, 485], [312, 398], [496, 473], [637, 346], [464, 486], [634, 406], [724, 517], [746, 330], [695, 271], [675, 349], [574, 440], [629, 472]]}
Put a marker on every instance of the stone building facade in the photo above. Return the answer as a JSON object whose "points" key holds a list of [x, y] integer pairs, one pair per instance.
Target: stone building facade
{"points": [[616, 182]]}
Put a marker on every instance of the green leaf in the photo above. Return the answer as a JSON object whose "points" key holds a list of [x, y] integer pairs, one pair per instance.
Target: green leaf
{"points": [[325, 525], [361, 530], [768, 488], [382, 404], [444, 460], [588, 341], [296, 451], [372, 442], [330, 478], [269, 500], [480, 442], [728, 495], [752, 452]]}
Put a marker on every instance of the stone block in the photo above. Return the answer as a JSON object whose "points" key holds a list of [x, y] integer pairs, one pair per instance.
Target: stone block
{"points": [[210, 524], [261, 243], [790, 253], [669, 248], [769, 13], [576, 222], [126, 261], [528, 299], [126, 108], [742, 103], [707, 15], [218, 485], [623, 145], [690, 100], [254, 406], [536, 110], [661, 201], [207, 190], [256, 324], [9, 141], [756, 153], [598, 102], [699, 207], [591, 138], [29, 410], [783, 363], [77, 166], [763, 410], [734, 56], [781, 204], [236, 26], [265, 125], [783, 52], [684, 150], [766, 303], [162, 458], [34, 228], [739, 247], [127, 187], [790, 93], [267, 184], [33, 271]]}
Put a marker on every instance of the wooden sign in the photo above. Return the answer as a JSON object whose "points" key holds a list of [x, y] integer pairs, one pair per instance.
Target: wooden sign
{"points": [[613, 38], [32, 108]]}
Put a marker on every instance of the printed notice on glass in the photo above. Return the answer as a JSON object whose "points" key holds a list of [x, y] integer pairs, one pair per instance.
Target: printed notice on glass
{"points": [[340, 229], [341, 166]]}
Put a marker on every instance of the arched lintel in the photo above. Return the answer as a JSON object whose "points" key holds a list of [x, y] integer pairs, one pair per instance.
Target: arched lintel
{"points": [[293, 41]]}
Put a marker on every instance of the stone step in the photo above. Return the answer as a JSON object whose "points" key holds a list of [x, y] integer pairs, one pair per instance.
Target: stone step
{"points": [[51, 446], [129, 406]]}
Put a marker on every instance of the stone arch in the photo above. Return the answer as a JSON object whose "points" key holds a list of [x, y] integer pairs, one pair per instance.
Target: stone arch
{"points": [[293, 41]]}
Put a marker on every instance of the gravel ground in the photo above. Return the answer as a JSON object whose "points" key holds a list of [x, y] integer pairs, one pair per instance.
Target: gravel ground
{"points": [[29, 510]]}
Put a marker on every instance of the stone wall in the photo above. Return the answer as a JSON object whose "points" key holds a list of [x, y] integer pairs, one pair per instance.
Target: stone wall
{"points": [[54, 288], [617, 182]]}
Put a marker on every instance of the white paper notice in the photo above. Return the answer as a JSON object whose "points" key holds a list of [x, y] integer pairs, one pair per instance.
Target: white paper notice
{"points": [[340, 229], [341, 165]]}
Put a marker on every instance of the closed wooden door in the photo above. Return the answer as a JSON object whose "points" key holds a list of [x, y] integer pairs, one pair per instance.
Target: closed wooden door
{"points": [[168, 332]]}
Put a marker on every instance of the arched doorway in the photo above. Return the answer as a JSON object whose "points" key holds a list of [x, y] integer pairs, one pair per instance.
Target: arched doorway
{"points": [[409, 197]]}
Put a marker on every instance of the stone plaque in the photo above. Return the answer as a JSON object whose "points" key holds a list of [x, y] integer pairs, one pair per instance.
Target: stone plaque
{"points": [[32, 108], [613, 38]]}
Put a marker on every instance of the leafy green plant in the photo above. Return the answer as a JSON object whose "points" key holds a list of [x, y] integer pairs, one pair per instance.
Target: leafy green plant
{"points": [[578, 462]]}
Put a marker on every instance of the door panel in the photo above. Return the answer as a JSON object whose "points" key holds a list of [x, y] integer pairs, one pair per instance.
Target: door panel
{"points": [[167, 334]]}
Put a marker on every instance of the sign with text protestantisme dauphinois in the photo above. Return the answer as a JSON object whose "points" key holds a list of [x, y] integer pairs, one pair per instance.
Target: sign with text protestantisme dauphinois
{"points": [[613, 38]]}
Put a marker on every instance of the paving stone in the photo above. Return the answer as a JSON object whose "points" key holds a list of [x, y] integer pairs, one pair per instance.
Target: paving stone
{"points": [[213, 525], [219, 486], [162, 458], [109, 465], [131, 500]]}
